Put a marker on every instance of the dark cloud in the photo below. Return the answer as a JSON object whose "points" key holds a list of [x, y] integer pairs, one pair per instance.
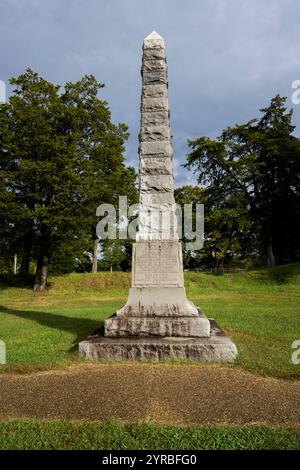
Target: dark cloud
{"points": [[226, 58]]}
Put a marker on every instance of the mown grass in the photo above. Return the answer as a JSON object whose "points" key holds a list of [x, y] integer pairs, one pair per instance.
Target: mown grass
{"points": [[22, 434], [260, 310]]}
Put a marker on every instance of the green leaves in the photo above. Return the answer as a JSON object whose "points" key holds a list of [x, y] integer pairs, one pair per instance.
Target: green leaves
{"points": [[254, 170], [60, 157]]}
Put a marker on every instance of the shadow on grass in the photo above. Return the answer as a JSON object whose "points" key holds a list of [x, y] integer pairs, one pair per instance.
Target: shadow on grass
{"points": [[80, 327], [283, 274], [21, 281], [277, 275], [16, 280]]}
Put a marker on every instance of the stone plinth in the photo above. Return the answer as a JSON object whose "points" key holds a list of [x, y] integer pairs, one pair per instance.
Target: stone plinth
{"points": [[120, 326]]}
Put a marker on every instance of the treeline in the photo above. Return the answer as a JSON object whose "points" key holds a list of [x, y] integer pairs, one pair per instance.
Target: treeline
{"points": [[61, 156], [250, 185]]}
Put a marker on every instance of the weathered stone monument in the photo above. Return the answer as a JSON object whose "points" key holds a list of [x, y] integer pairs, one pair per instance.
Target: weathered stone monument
{"points": [[158, 321]]}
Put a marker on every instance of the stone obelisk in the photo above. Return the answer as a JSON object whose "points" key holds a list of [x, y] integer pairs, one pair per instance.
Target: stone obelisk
{"points": [[158, 321], [157, 303]]}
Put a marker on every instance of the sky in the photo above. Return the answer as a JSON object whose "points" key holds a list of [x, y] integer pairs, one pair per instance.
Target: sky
{"points": [[226, 58]]}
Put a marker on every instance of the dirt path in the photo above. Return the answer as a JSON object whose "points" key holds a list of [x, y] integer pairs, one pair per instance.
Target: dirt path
{"points": [[173, 394]]}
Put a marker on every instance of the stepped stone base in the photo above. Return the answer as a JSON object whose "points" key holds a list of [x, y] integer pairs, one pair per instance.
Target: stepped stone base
{"points": [[218, 347], [120, 326]]}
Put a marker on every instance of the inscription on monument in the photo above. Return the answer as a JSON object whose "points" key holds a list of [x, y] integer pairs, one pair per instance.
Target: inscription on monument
{"points": [[157, 263]]}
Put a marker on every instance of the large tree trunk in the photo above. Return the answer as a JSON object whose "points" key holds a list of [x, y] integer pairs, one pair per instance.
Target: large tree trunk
{"points": [[41, 273], [270, 255], [95, 253]]}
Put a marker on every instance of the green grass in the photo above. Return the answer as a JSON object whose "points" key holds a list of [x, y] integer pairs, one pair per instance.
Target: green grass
{"points": [[260, 310], [22, 434]]}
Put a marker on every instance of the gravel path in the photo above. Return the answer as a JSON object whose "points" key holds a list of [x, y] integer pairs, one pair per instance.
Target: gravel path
{"points": [[172, 394]]}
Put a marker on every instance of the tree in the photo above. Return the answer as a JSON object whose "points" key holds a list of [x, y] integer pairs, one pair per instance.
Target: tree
{"points": [[61, 156], [116, 255], [223, 230], [189, 194], [251, 174], [101, 146]]}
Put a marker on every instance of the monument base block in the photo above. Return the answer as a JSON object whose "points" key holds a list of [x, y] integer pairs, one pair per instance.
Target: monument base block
{"points": [[218, 347], [120, 326]]}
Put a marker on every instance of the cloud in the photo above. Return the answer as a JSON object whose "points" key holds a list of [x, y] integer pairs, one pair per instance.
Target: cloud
{"points": [[226, 58]]}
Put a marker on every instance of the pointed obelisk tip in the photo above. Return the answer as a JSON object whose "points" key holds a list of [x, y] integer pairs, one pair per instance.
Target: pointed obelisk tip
{"points": [[153, 39]]}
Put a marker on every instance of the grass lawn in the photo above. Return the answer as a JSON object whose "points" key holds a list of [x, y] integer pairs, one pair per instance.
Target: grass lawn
{"points": [[260, 310], [113, 435]]}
